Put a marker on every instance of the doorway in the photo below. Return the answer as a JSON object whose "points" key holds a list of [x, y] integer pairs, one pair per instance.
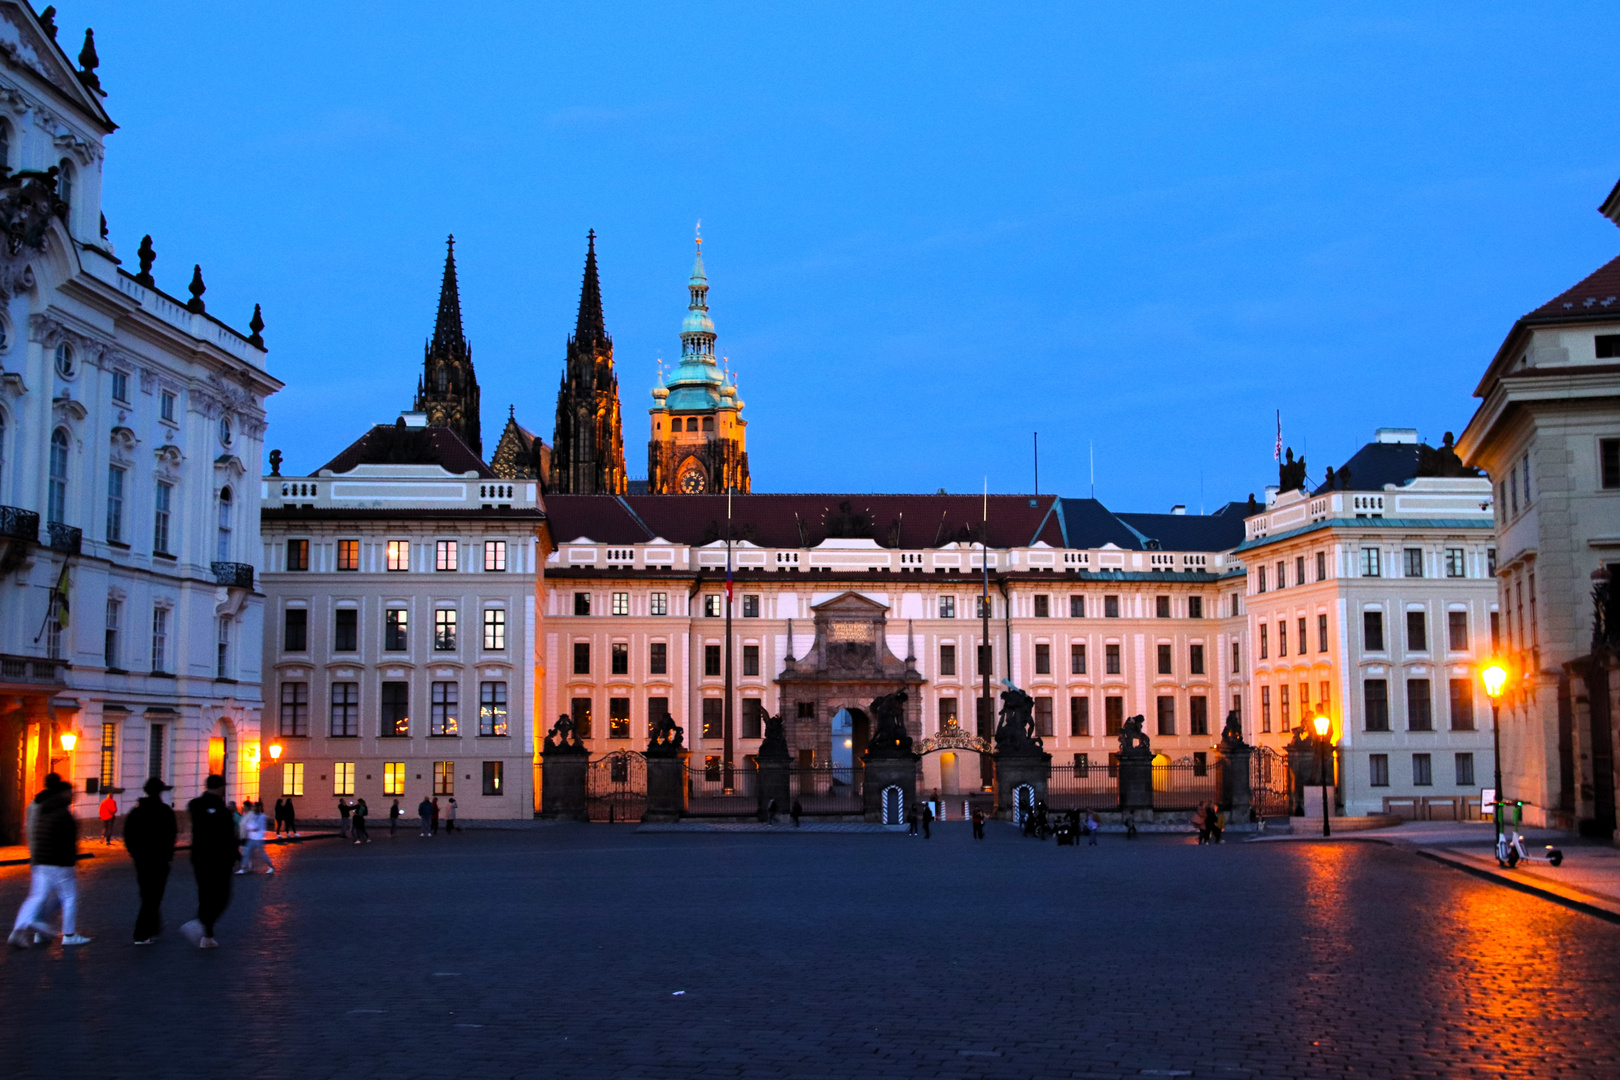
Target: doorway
{"points": [[950, 779]]}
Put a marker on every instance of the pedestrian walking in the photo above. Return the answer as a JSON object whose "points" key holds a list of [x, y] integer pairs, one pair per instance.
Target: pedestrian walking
{"points": [[361, 811], [109, 814], [278, 816], [424, 810], [1200, 822], [796, 812], [435, 823], [149, 830], [292, 817], [253, 826], [770, 812], [978, 824], [1092, 827], [927, 820], [344, 809], [393, 817], [911, 821], [1130, 825], [213, 853], [1217, 824], [450, 816], [53, 857]]}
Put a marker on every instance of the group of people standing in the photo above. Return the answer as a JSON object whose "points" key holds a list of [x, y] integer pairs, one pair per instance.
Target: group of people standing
{"points": [[1210, 823]]}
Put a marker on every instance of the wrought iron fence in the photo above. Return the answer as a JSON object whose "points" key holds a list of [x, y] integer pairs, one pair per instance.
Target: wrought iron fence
{"points": [[1184, 785], [827, 791], [719, 790], [1083, 787], [235, 574], [616, 787], [1271, 783]]}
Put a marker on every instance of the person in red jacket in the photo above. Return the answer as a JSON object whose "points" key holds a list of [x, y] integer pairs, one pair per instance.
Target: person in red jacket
{"points": [[109, 814]]}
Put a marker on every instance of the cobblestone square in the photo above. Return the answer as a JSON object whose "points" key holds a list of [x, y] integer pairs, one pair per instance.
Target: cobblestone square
{"points": [[597, 951]]}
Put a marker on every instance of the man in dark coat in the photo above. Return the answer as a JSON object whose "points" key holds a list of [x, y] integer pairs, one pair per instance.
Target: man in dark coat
{"points": [[53, 855], [213, 855], [149, 837]]}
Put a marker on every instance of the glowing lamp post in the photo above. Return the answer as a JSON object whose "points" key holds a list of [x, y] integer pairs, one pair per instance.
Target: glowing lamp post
{"points": [[1322, 724], [1495, 676], [70, 739], [275, 751]]}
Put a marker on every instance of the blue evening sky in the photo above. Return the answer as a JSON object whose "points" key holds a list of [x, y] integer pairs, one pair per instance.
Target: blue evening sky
{"points": [[930, 229]]}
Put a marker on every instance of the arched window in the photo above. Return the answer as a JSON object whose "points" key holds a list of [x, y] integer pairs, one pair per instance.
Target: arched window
{"points": [[691, 423], [56, 497], [64, 181], [443, 379], [65, 360], [225, 525], [708, 423], [225, 431]]}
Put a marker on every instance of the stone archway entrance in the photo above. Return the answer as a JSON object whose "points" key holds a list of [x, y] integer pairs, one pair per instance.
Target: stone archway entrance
{"points": [[958, 756]]}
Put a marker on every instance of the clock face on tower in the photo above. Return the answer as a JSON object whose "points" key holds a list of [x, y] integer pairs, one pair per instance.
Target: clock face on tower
{"points": [[693, 482]]}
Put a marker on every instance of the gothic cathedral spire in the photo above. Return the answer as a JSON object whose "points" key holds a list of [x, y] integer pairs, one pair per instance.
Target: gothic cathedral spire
{"points": [[448, 390], [587, 456]]}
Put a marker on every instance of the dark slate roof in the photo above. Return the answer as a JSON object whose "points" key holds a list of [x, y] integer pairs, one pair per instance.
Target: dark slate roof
{"points": [[1090, 524], [1087, 523], [788, 521], [395, 444], [1377, 464], [1596, 297]]}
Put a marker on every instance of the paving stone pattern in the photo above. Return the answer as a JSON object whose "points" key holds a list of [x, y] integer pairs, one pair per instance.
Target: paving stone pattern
{"points": [[598, 951]]}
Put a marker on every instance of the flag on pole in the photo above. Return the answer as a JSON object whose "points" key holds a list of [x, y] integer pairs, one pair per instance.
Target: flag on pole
{"points": [[1276, 451], [60, 597]]}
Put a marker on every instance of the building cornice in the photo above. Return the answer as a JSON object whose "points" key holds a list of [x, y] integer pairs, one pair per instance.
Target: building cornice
{"points": [[1367, 524]]}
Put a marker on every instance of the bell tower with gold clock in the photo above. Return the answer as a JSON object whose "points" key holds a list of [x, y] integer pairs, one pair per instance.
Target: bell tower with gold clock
{"points": [[699, 438]]}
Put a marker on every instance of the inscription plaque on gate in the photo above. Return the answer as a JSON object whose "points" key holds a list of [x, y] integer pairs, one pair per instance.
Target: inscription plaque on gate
{"points": [[850, 631]]}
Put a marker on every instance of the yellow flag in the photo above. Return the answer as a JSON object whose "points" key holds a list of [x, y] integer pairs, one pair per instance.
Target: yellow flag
{"points": [[60, 597]]}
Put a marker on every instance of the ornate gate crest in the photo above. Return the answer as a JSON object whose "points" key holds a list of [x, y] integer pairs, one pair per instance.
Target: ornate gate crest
{"points": [[952, 737]]}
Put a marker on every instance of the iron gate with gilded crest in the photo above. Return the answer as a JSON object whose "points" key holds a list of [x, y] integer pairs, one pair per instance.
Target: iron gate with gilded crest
{"points": [[616, 787]]}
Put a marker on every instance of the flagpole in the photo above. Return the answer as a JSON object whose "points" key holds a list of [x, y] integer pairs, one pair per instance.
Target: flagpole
{"points": [[986, 658], [726, 721]]}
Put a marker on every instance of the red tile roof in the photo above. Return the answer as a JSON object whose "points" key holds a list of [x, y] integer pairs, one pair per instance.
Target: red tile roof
{"points": [[1597, 296], [392, 444]]}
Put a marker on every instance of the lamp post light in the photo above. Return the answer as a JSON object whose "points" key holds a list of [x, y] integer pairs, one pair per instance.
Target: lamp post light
{"points": [[1494, 675], [1322, 724], [275, 751]]}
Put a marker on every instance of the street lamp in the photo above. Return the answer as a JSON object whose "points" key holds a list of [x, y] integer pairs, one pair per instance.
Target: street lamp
{"points": [[275, 751], [1322, 724], [70, 739], [1495, 677]]}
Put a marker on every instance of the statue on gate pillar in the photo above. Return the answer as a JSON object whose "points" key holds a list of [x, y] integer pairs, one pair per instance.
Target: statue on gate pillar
{"points": [[1016, 734], [667, 738], [564, 738], [890, 738]]}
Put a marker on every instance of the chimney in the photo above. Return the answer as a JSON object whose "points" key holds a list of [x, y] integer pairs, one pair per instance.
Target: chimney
{"points": [[1179, 510]]}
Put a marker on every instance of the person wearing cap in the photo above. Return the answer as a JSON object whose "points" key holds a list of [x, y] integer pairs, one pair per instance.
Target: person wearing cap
{"points": [[149, 831], [53, 855], [213, 856]]}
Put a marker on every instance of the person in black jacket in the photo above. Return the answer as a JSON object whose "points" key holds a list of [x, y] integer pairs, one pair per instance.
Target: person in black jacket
{"points": [[213, 854], [53, 852], [149, 831]]}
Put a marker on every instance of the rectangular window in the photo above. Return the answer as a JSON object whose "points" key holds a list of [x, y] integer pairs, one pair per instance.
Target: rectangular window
{"points": [[494, 629], [345, 716], [947, 712], [582, 658], [1195, 659], [947, 659], [1077, 607], [1113, 715], [1110, 607], [1282, 637], [1166, 664], [714, 718], [444, 629], [1166, 707], [161, 498], [1043, 607], [1195, 607], [494, 777], [1417, 632], [1079, 716], [582, 603], [982, 608], [711, 607], [444, 778], [1422, 771], [1321, 566], [807, 710], [1462, 704], [1299, 648], [1608, 348], [618, 718], [579, 710], [294, 709], [1282, 574], [1372, 631], [658, 604], [1043, 658], [1077, 658], [446, 555], [620, 603], [1283, 712], [711, 769], [750, 660], [1375, 698], [399, 555], [393, 778], [166, 411], [1111, 659], [295, 630], [1609, 463], [115, 505], [1455, 565], [947, 607], [292, 778], [1237, 657], [1043, 717], [1299, 569], [396, 629], [1457, 630], [750, 606], [110, 651], [1465, 770], [348, 555], [1265, 709], [120, 386], [1413, 562], [711, 660], [1260, 579], [1378, 770], [1321, 633], [1323, 696], [346, 630], [342, 778], [1369, 562], [298, 555], [445, 709], [658, 658], [657, 709], [394, 719], [1198, 715], [495, 556], [619, 658], [753, 712], [1161, 607], [1265, 639], [986, 658], [160, 638], [492, 708], [1419, 706]]}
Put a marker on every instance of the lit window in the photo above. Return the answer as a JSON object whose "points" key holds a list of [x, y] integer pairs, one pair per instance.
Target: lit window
{"points": [[342, 778], [659, 604], [348, 555], [494, 778], [444, 778], [445, 555], [393, 778], [399, 555], [494, 628], [621, 603], [443, 718], [292, 778], [492, 708], [495, 555]]}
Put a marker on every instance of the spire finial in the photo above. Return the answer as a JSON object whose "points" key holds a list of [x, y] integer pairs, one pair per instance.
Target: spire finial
{"points": [[700, 234], [591, 327], [256, 324], [447, 333], [147, 255], [89, 61], [197, 289]]}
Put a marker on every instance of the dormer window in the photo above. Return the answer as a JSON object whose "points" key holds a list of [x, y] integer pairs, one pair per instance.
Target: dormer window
{"points": [[1608, 346]]}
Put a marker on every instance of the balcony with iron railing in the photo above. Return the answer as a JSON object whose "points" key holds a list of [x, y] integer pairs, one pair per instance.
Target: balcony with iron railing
{"points": [[33, 671], [234, 574], [19, 524], [65, 538]]}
